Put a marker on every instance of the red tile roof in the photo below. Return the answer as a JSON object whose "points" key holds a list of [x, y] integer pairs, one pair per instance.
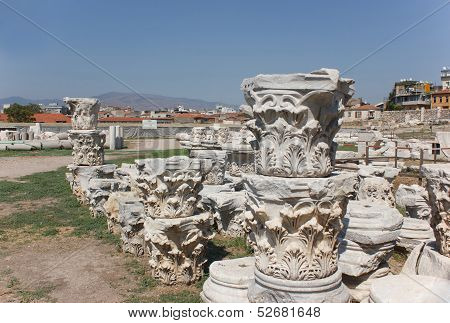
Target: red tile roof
{"points": [[3, 117], [51, 118], [121, 119]]}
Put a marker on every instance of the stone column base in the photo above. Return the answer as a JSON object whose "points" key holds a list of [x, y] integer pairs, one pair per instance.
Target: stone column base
{"points": [[266, 289], [228, 281]]}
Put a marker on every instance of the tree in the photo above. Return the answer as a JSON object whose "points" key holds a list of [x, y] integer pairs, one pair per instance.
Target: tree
{"points": [[22, 113]]}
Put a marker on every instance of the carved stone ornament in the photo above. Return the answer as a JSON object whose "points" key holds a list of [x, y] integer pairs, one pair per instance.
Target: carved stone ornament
{"points": [[177, 247], [87, 147], [84, 112], [294, 227], [170, 187], [296, 117], [438, 186]]}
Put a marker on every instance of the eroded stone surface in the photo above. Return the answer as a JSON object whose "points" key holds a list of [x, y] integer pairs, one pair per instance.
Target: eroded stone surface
{"points": [[426, 260], [219, 160], [376, 189], [410, 289], [177, 247], [84, 112], [413, 233], [414, 199], [126, 217], [88, 147]]}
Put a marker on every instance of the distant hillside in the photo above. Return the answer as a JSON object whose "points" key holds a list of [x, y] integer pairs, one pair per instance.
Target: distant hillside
{"points": [[139, 102], [152, 101], [20, 100]]}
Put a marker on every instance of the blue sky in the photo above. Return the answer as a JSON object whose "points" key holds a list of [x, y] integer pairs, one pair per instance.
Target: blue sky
{"points": [[203, 49]]}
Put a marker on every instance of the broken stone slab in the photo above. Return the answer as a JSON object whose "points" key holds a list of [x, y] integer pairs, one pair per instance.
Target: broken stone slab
{"points": [[80, 177], [84, 112], [219, 159], [228, 281], [410, 289], [368, 238], [177, 247], [438, 187], [99, 190], [413, 233], [414, 199], [359, 287], [126, 216], [229, 211], [426, 260], [388, 173], [296, 117]]}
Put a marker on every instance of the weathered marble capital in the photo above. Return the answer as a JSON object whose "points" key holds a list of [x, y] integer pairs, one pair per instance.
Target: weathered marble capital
{"points": [[170, 186], [84, 112], [177, 247], [438, 186], [88, 147], [296, 117], [295, 224]]}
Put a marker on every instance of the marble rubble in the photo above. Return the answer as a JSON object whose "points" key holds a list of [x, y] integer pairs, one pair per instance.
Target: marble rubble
{"points": [[426, 272], [414, 232], [228, 281], [295, 202], [175, 232], [414, 200], [438, 186]]}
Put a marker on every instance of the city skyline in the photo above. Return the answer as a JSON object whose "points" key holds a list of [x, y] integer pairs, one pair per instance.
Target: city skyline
{"points": [[203, 50]]}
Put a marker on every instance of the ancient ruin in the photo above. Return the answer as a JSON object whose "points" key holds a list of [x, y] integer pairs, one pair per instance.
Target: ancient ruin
{"points": [[295, 211], [176, 232]]}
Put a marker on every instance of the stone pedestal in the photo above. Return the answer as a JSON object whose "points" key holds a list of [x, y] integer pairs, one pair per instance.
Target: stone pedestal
{"points": [[87, 147], [370, 232], [228, 281], [438, 186], [175, 233], [294, 225]]}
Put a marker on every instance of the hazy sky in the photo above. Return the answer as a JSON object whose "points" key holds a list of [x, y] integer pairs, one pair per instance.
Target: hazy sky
{"points": [[203, 49]]}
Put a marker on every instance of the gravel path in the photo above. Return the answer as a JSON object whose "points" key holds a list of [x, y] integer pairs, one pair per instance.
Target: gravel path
{"points": [[15, 167]]}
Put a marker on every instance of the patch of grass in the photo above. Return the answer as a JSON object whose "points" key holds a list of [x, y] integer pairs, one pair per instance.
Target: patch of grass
{"points": [[13, 282], [399, 257], [149, 154], [402, 210], [38, 294], [184, 296], [348, 148]]}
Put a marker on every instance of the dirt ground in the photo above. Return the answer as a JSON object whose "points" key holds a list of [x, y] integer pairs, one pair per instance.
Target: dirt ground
{"points": [[62, 269]]}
